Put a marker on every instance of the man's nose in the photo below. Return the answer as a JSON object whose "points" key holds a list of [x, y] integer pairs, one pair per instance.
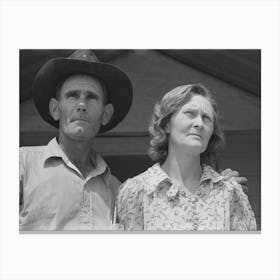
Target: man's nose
{"points": [[81, 106]]}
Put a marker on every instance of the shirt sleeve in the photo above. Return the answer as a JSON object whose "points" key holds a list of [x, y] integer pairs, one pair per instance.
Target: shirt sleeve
{"points": [[130, 205], [241, 214], [21, 179], [115, 185]]}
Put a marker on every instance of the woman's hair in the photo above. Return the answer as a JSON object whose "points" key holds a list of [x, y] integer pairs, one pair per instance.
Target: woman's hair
{"points": [[171, 103]]}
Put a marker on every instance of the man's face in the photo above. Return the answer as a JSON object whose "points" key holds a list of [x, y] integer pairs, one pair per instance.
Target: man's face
{"points": [[80, 108]]}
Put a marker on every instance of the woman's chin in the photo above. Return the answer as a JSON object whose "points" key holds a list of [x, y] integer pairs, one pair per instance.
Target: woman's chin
{"points": [[193, 148]]}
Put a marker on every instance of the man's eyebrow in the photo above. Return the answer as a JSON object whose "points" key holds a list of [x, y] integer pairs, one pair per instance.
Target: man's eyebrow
{"points": [[92, 93], [89, 92], [71, 91]]}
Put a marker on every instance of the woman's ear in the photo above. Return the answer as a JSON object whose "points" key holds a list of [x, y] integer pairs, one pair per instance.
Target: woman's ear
{"points": [[107, 114], [167, 128], [53, 108]]}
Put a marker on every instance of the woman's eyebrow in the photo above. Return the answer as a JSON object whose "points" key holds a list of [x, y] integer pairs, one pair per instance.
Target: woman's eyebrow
{"points": [[193, 108], [208, 114], [196, 109]]}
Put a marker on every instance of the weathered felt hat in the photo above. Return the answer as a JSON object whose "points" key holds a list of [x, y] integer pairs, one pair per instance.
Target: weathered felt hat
{"points": [[117, 83]]}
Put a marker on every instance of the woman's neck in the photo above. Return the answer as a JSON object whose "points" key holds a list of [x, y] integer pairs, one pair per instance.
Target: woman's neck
{"points": [[183, 169]]}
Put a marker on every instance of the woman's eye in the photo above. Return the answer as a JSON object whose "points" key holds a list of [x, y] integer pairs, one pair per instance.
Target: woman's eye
{"points": [[190, 113], [207, 118]]}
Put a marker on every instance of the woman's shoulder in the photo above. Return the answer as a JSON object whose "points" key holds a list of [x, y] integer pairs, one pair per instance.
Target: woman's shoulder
{"points": [[224, 182], [210, 173], [136, 183], [141, 181], [234, 189], [231, 184]]}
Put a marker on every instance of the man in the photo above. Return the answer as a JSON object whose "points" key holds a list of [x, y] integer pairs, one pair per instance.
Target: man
{"points": [[66, 185]]}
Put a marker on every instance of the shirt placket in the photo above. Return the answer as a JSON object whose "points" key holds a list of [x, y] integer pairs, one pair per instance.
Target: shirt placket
{"points": [[195, 217], [85, 217], [87, 205]]}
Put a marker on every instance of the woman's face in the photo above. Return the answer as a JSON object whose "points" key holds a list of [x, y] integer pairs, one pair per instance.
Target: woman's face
{"points": [[191, 127]]}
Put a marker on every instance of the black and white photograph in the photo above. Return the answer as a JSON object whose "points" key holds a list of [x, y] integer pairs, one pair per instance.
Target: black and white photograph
{"points": [[140, 140]]}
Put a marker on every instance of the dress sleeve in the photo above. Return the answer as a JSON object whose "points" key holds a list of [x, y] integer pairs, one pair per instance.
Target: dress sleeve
{"points": [[241, 214], [130, 205]]}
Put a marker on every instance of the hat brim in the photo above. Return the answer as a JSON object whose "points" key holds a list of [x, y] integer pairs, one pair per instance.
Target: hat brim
{"points": [[118, 85]]}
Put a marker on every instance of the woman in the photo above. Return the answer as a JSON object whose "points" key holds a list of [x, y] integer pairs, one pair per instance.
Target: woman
{"points": [[182, 191]]}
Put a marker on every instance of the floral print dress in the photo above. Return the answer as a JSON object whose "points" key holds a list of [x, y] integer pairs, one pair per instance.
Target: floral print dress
{"points": [[150, 201]]}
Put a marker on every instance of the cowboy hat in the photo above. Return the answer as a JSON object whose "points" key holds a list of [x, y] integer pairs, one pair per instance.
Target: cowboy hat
{"points": [[117, 83]]}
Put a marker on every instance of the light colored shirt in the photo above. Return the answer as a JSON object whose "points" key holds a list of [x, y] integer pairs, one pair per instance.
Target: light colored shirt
{"points": [[54, 195], [150, 201]]}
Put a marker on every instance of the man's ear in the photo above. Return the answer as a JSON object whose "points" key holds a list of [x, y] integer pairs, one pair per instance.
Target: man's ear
{"points": [[53, 107], [107, 114]]}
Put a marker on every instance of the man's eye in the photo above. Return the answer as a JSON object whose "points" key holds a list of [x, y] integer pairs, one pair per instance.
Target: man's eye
{"points": [[72, 95], [94, 97]]}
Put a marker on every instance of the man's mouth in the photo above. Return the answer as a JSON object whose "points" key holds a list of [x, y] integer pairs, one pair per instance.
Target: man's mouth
{"points": [[80, 120]]}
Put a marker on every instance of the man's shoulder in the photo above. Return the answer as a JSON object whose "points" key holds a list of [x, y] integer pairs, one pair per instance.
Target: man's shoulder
{"points": [[30, 153], [32, 149], [114, 180]]}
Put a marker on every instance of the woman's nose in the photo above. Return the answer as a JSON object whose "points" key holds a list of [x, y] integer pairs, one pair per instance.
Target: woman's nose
{"points": [[198, 122]]}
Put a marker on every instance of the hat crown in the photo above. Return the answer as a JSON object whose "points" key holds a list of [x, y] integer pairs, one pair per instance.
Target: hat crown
{"points": [[86, 55]]}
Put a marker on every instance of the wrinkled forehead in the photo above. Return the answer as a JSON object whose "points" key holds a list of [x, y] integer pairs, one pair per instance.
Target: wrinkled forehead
{"points": [[80, 81], [199, 102]]}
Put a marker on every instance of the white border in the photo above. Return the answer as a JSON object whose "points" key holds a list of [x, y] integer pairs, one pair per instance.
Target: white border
{"points": [[151, 25]]}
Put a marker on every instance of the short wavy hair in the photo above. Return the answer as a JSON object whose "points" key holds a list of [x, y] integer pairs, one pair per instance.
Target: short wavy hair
{"points": [[171, 103]]}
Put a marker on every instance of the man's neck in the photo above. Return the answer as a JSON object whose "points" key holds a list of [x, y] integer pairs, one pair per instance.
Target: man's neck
{"points": [[78, 152]]}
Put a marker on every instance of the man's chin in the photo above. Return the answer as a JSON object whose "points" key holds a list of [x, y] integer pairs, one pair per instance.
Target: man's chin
{"points": [[80, 134]]}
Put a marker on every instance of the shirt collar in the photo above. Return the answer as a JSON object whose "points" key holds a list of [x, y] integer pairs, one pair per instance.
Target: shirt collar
{"points": [[158, 177], [100, 167], [53, 150]]}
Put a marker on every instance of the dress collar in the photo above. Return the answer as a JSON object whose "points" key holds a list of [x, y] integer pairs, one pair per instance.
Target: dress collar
{"points": [[208, 173], [158, 177]]}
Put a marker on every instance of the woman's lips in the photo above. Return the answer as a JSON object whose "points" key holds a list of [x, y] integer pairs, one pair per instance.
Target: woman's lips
{"points": [[193, 134]]}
